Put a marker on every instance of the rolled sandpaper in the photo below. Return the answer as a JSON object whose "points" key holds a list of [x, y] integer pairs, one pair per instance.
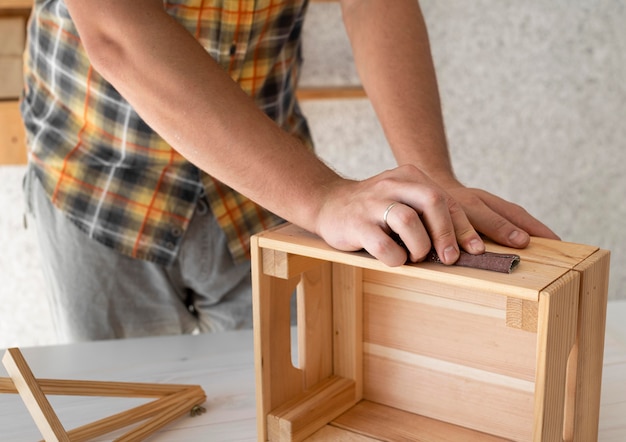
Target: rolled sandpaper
{"points": [[496, 262]]}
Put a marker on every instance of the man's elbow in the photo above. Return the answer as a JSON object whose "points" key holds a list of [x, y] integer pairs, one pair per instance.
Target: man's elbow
{"points": [[105, 52]]}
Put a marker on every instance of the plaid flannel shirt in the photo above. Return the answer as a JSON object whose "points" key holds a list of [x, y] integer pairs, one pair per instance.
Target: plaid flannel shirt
{"points": [[114, 177]]}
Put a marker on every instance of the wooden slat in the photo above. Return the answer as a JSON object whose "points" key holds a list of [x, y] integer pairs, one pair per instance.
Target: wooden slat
{"points": [[348, 324], [15, 8], [15, 4], [525, 282], [416, 323], [174, 405], [68, 387], [303, 415], [594, 276], [35, 400], [287, 265], [380, 422], [335, 434], [185, 402], [467, 295], [556, 336], [315, 325], [12, 136], [454, 393], [277, 380], [522, 314]]}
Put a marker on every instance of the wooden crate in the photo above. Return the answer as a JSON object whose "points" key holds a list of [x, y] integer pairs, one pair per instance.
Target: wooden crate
{"points": [[425, 351]]}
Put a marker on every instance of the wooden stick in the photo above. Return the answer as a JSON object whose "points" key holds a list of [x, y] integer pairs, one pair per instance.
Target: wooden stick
{"points": [[67, 387], [161, 419], [194, 395], [35, 400]]}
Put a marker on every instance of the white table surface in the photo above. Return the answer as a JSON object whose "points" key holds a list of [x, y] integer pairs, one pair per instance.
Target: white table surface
{"points": [[223, 365]]}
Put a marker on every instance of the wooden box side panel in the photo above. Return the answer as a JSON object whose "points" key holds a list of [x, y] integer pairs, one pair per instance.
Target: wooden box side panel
{"points": [[295, 401], [451, 394], [449, 359], [469, 329], [277, 380]]}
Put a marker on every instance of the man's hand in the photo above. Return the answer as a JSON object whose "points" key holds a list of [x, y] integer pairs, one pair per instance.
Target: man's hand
{"points": [[423, 216], [504, 222]]}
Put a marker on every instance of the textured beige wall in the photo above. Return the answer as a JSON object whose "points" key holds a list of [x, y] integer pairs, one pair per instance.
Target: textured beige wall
{"points": [[534, 98]]}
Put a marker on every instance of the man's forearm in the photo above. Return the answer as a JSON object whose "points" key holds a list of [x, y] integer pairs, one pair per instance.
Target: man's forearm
{"points": [[393, 58]]}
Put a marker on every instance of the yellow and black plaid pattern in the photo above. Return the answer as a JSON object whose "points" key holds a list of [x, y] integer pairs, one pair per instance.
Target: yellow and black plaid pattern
{"points": [[113, 175]]}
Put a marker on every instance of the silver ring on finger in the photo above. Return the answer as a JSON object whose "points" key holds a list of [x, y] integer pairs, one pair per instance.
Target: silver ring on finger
{"points": [[387, 210]]}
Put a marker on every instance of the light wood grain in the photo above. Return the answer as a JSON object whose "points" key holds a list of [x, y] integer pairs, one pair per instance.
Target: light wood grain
{"points": [[35, 400], [287, 265], [448, 330], [348, 324], [454, 393], [522, 314], [379, 422], [492, 353], [556, 336], [435, 289], [67, 387], [15, 8], [594, 276], [335, 434], [525, 282], [12, 135], [6, 5], [277, 379], [306, 413], [547, 251], [162, 410], [164, 417], [315, 325]]}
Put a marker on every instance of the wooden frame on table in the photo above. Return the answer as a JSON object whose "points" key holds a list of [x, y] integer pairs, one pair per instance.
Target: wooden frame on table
{"points": [[172, 401]]}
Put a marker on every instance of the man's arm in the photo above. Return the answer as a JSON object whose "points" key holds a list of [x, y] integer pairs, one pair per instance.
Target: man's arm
{"points": [[186, 97], [392, 54]]}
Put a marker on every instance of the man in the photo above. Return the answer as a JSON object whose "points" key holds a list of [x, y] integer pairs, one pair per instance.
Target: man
{"points": [[149, 121]]}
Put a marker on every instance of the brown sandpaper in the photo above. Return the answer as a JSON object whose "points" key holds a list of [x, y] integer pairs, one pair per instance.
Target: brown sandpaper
{"points": [[496, 262]]}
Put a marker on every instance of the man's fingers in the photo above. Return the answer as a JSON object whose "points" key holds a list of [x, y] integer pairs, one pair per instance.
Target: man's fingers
{"points": [[438, 222], [404, 222], [502, 221], [383, 247], [422, 221], [500, 229], [466, 235]]}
